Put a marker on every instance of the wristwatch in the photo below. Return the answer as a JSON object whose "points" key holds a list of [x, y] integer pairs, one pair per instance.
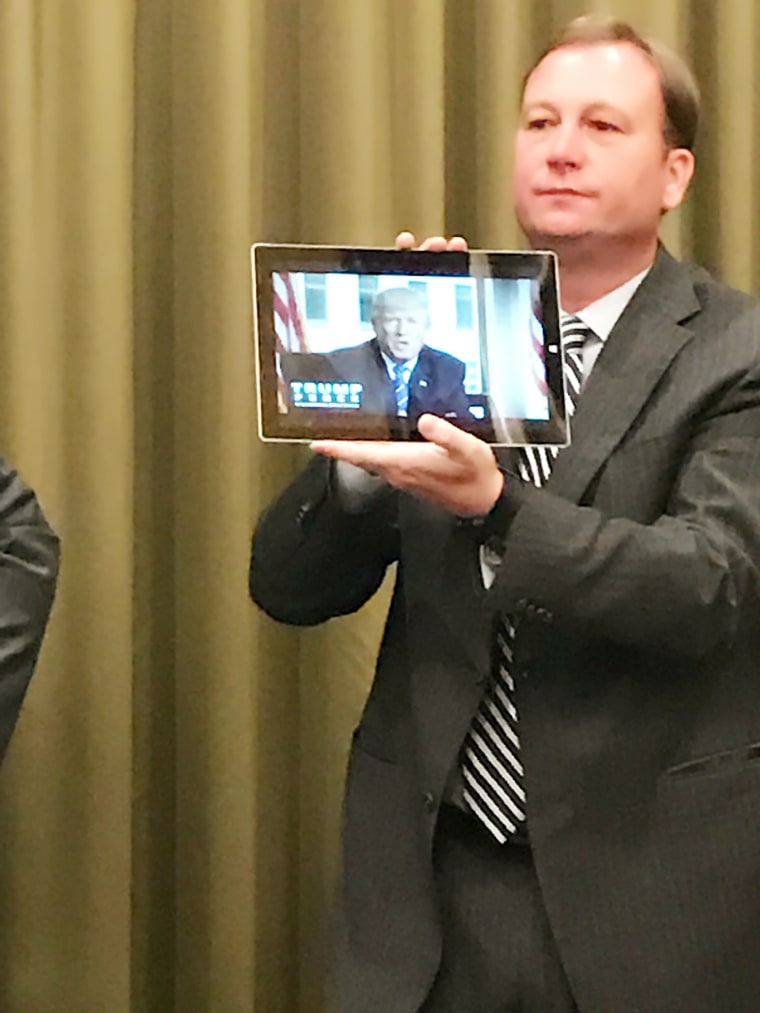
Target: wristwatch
{"points": [[497, 522]]}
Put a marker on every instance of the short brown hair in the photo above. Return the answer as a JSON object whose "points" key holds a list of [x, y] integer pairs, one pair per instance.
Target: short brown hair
{"points": [[680, 92]]}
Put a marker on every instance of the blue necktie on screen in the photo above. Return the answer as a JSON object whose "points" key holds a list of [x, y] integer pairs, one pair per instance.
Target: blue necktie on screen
{"points": [[401, 387], [492, 771]]}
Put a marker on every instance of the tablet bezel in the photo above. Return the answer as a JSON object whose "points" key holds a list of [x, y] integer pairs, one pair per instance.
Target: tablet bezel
{"points": [[304, 425]]}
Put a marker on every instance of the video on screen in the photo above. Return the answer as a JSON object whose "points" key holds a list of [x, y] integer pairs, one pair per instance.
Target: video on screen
{"points": [[471, 350]]}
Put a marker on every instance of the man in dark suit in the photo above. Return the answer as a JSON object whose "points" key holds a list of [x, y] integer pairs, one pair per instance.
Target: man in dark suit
{"points": [[28, 573], [553, 794], [401, 376]]}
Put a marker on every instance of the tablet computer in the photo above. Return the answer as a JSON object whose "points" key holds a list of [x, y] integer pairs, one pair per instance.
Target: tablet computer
{"points": [[358, 342]]}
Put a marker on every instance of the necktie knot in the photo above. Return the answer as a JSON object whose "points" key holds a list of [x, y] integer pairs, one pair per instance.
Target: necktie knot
{"points": [[575, 334]]}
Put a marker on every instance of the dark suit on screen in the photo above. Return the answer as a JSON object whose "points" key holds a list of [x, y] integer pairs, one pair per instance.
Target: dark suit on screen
{"points": [[436, 384], [634, 575]]}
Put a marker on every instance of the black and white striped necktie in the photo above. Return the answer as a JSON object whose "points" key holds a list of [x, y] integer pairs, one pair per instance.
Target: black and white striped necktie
{"points": [[492, 771]]}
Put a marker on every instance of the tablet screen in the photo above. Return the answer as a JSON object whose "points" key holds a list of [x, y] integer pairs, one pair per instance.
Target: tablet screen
{"points": [[357, 343]]}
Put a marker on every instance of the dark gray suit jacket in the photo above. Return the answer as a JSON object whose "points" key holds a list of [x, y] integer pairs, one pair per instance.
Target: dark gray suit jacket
{"points": [[28, 573], [635, 577]]}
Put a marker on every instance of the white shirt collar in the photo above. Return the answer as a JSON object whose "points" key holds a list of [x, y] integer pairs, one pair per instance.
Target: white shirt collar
{"points": [[602, 314], [408, 364]]}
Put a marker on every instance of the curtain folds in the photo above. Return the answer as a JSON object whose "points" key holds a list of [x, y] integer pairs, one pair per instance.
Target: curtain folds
{"points": [[169, 804]]}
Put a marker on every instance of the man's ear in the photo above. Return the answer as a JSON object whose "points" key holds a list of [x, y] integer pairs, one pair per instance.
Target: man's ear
{"points": [[680, 171]]}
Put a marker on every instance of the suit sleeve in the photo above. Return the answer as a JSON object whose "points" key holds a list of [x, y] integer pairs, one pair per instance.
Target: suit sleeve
{"points": [[683, 583], [312, 559], [28, 573]]}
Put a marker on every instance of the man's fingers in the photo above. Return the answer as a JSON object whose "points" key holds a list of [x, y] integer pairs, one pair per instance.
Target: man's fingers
{"points": [[380, 454], [403, 464], [436, 243], [407, 241], [372, 455], [458, 243], [451, 438], [348, 450]]}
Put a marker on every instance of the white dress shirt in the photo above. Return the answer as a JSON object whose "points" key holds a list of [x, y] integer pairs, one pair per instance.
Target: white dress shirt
{"points": [[602, 315]]}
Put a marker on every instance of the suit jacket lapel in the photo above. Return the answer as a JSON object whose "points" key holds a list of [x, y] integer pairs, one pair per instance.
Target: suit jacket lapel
{"points": [[642, 344]]}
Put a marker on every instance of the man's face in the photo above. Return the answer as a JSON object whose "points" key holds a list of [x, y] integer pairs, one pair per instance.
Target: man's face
{"points": [[400, 324], [590, 158]]}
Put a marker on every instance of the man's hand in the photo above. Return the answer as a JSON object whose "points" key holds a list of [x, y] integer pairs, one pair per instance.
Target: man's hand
{"points": [[453, 469], [407, 241]]}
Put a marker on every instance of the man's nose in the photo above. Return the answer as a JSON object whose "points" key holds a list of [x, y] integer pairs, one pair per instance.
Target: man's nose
{"points": [[565, 147]]}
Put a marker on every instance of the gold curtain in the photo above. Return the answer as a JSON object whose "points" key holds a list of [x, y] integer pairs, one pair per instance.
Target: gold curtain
{"points": [[169, 804]]}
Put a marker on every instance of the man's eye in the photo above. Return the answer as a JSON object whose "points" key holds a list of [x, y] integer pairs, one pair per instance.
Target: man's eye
{"points": [[538, 123], [604, 126]]}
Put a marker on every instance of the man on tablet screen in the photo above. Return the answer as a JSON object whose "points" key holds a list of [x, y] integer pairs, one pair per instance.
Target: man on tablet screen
{"points": [[399, 374], [553, 797]]}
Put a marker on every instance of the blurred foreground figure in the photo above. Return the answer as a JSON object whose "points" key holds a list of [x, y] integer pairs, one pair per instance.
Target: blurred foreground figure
{"points": [[28, 573]]}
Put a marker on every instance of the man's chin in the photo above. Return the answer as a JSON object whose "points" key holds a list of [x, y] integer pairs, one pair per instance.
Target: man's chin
{"points": [[548, 239]]}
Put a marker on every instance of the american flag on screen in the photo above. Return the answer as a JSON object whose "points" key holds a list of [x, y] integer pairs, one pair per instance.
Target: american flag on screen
{"points": [[288, 325]]}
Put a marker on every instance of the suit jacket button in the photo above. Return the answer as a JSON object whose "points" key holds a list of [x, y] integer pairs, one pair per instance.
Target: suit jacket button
{"points": [[428, 800], [495, 545], [303, 512]]}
